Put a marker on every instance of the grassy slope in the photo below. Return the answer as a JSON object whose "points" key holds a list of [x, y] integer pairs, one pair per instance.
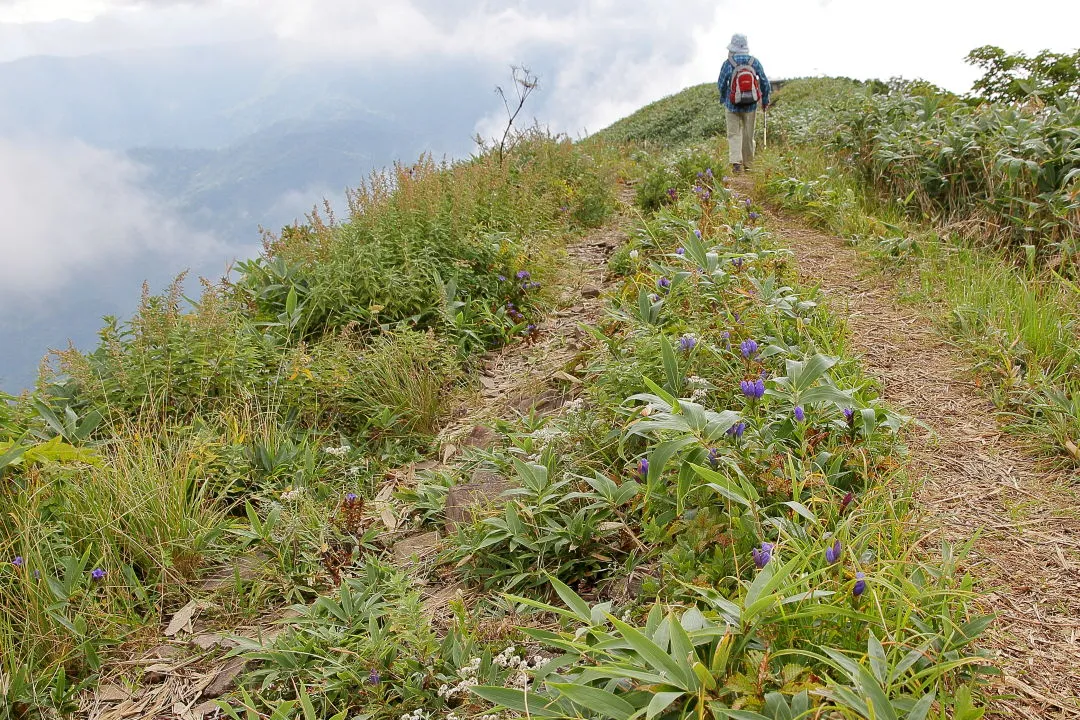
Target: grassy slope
{"points": [[1015, 315], [740, 536]]}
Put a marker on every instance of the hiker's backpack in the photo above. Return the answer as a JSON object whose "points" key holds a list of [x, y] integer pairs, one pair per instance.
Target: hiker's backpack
{"points": [[745, 86]]}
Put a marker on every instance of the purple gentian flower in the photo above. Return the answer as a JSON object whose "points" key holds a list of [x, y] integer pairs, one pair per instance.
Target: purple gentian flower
{"points": [[749, 202], [737, 262], [350, 497], [860, 584], [680, 251], [501, 278], [37, 574], [713, 454], [373, 677], [753, 389], [763, 555], [832, 554], [523, 275], [737, 430], [643, 467], [672, 193], [849, 415], [687, 343], [663, 283], [531, 328], [748, 348], [800, 414], [653, 297], [97, 574], [754, 216], [708, 173], [697, 233], [18, 561]]}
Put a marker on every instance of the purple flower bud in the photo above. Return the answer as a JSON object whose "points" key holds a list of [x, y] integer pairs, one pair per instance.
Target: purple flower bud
{"points": [[37, 574], [848, 499], [697, 233], [800, 414], [672, 193], [713, 454], [653, 297], [747, 387], [501, 278], [663, 283], [754, 216], [748, 348], [643, 467], [860, 584], [849, 415], [687, 343], [18, 561], [97, 574], [680, 251], [373, 677], [725, 335], [523, 275], [832, 554], [708, 173], [737, 263], [736, 431], [763, 555], [350, 497], [530, 328], [749, 202]]}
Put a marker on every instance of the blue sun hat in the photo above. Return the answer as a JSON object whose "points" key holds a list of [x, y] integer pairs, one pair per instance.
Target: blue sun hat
{"points": [[739, 45]]}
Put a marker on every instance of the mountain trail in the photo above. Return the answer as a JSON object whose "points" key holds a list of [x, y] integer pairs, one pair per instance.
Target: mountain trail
{"points": [[975, 480]]}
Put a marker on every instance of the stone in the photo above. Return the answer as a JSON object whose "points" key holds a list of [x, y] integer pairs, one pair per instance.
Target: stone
{"points": [[484, 488], [481, 437], [419, 546], [590, 291]]}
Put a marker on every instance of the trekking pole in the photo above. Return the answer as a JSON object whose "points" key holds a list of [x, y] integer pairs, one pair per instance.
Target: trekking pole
{"points": [[765, 116]]}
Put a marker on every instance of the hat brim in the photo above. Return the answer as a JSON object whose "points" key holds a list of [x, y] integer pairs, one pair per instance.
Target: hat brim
{"points": [[732, 48]]}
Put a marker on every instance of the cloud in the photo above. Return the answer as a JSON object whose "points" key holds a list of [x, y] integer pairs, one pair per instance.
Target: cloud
{"points": [[74, 214]]}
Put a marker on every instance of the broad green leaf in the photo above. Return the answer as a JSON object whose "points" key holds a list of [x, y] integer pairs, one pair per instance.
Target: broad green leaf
{"points": [[572, 599], [517, 700], [878, 662], [606, 703], [652, 654], [660, 702], [922, 708]]}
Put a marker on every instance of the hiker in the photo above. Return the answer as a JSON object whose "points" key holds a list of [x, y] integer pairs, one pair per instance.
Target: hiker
{"points": [[742, 85]]}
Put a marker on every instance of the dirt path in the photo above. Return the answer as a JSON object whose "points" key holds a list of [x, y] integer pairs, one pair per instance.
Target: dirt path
{"points": [[974, 479]]}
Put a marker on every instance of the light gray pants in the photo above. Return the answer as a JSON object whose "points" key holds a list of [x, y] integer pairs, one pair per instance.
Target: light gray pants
{"points": [[740, 137]]}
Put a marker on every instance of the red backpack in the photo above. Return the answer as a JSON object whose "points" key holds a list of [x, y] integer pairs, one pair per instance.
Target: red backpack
{"points": [[745, 86]]}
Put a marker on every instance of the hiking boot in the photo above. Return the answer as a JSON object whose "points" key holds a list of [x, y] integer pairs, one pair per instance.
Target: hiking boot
{"points": [[736, 167]]}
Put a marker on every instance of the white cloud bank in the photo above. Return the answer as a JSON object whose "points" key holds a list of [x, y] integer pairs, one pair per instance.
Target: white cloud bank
{"points": [[76, 214]]}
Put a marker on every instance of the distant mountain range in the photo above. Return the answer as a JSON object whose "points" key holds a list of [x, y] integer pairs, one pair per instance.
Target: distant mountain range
{"points": [[231, 137]]}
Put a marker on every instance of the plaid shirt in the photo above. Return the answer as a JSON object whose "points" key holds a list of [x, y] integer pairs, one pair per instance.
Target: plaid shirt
{"points": [[724, 82]]}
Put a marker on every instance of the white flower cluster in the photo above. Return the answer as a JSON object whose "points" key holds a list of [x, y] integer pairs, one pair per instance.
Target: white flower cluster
{"points": [[634, 254], [575, 405], [455, 716], [699, 388], [468, 679], [509, 659], [290, 494], [337, 451], [547, 434], [415, 715]]}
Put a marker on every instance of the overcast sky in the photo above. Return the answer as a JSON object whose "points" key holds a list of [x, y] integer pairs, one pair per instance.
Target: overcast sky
{"points": [[615, 55]]}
